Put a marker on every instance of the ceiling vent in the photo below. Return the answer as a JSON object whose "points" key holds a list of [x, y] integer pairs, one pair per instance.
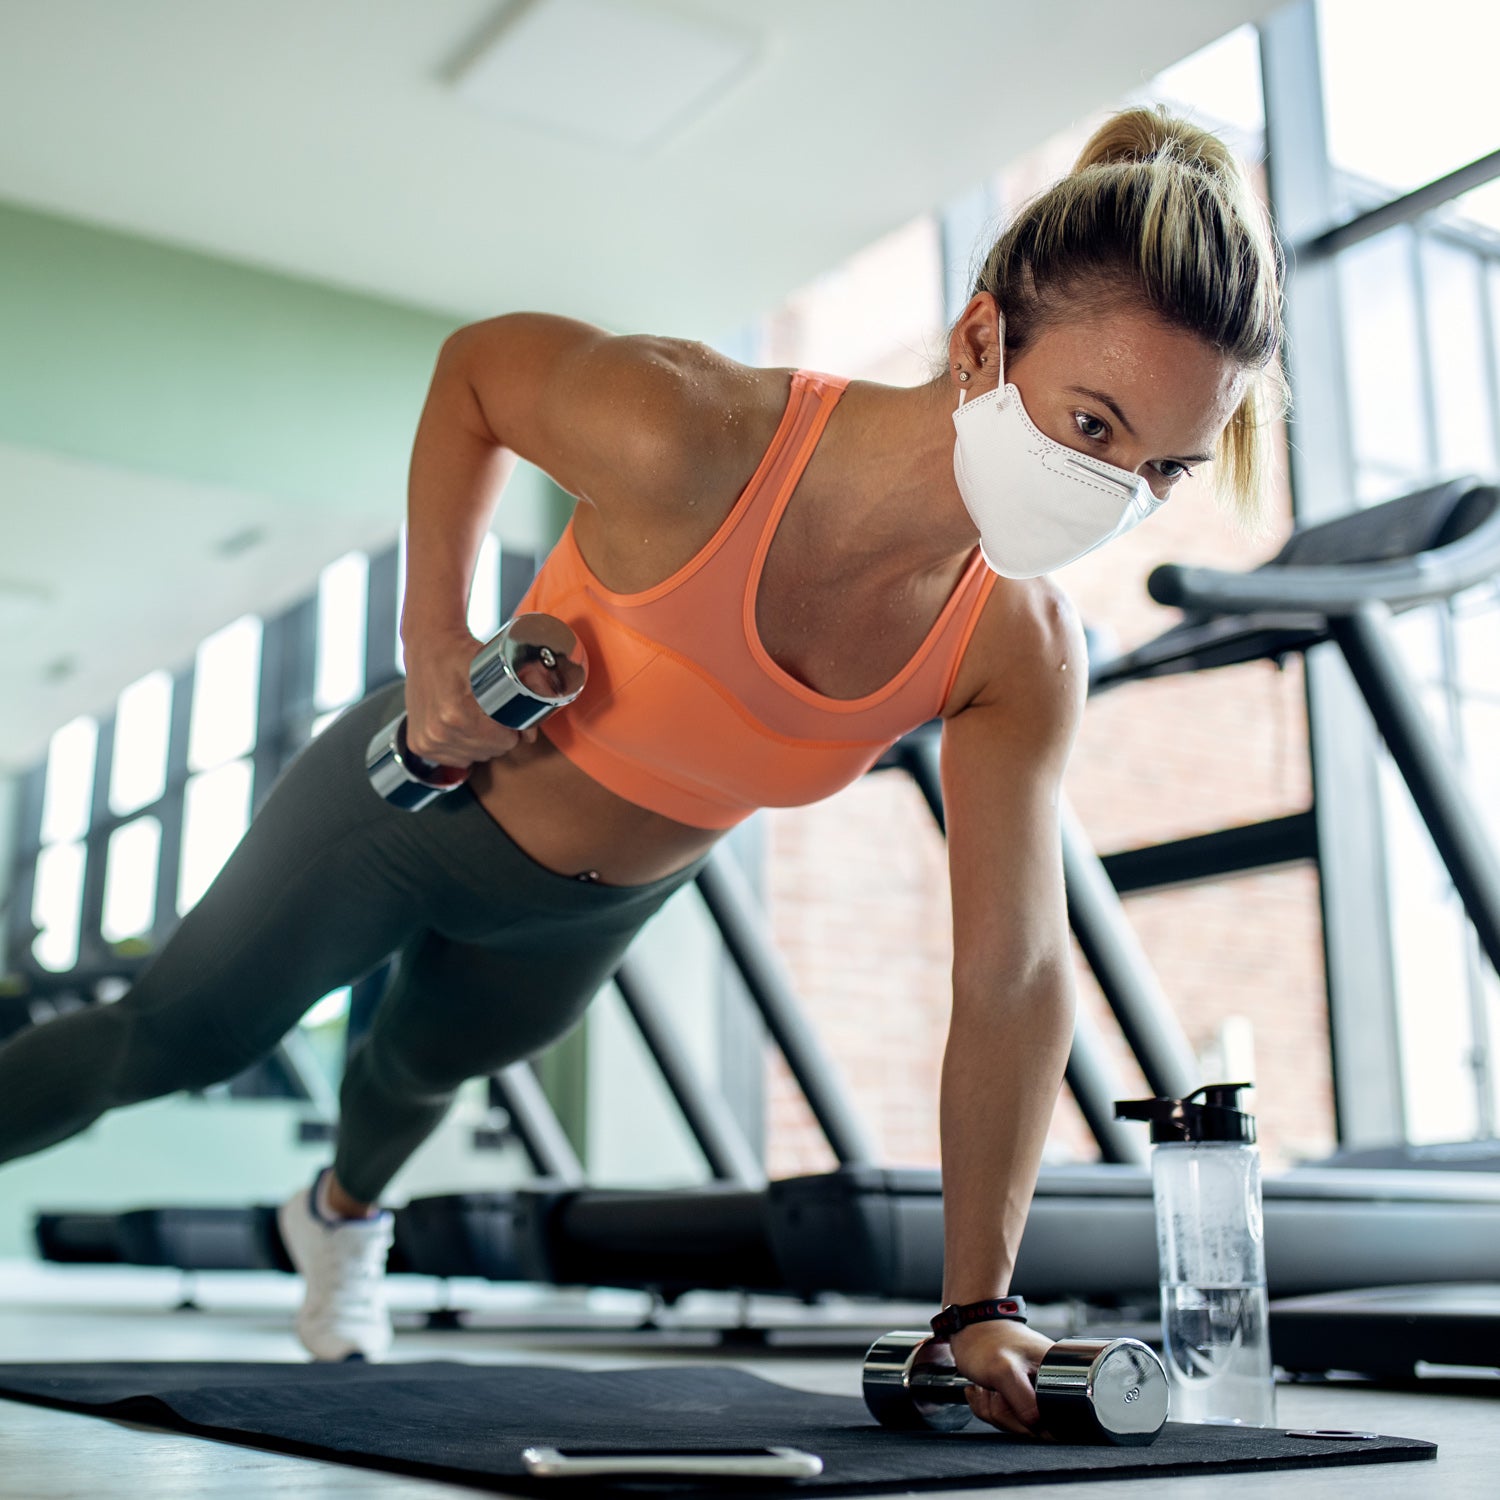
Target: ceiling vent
{"points": [[609, 73]]}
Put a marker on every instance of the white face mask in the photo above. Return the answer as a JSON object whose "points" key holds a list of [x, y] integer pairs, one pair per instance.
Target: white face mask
{"points": [[1038, 504]]}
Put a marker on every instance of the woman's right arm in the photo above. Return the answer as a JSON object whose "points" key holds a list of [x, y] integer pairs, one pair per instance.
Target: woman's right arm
{"points": [[610, 418]]}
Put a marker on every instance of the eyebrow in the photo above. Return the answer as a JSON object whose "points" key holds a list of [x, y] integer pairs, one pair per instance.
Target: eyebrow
{"points": [[1113, 405]]}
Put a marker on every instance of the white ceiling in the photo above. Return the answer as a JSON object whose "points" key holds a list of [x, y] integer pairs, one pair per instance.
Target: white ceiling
{"points": [[330, 140]]}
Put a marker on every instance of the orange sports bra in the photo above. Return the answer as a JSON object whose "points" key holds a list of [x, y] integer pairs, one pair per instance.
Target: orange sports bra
{"points": [[685, 712]]}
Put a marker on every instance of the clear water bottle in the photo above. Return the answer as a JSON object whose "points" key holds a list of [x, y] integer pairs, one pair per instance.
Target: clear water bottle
{"points": [[1210, 1237]]}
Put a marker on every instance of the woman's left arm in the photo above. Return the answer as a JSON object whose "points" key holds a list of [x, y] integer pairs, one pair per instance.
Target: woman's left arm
{"points": [[1013, 998]]}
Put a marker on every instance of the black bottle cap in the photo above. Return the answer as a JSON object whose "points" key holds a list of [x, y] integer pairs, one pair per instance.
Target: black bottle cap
{"points": [[1217, 1118]]}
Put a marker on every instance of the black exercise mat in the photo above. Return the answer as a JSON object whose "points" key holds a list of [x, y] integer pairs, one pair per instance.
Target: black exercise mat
{"points": [[442, 1419]]}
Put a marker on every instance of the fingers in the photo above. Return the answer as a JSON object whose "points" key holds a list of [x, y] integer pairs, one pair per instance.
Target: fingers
{"points": [[1011, 1405], [991, 1408], [1016, 1387], [451, 743]]}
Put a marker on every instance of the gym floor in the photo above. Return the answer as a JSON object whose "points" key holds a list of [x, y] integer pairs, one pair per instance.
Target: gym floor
{"points": [[89, 1313]]}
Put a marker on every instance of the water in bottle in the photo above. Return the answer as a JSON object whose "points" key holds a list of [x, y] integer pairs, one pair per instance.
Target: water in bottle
{"points": [[1210, 1232]]}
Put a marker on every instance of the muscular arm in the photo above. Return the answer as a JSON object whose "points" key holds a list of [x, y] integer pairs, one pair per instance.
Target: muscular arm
{"points": [[1013, 997], [622, 422]]}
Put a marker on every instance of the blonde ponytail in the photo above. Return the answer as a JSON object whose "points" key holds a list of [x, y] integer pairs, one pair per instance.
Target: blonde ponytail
{"points": [[1160, 212]]}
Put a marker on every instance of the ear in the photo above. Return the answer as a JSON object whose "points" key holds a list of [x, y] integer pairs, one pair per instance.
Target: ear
{"points": [[978, 341]]}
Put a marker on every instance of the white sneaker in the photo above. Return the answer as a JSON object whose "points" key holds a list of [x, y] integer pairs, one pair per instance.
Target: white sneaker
{"points": [[343, 1313]]}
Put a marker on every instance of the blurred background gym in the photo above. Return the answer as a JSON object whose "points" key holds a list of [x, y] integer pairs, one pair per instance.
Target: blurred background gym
{"points": [[232, 239]]}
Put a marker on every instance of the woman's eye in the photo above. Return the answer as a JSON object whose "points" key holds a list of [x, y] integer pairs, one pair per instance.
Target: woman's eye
{"points": [[1090, 426], [1172, 471]]}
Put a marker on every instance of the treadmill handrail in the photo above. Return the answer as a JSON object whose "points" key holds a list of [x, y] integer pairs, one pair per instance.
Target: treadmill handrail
{"points": [[1334, 589]]}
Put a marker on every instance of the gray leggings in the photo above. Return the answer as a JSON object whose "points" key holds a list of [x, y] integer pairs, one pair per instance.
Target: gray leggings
{"points": [[497, 957]]}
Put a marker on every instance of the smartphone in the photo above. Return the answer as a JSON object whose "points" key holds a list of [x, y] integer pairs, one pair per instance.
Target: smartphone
{"points": [[771, 1463]]}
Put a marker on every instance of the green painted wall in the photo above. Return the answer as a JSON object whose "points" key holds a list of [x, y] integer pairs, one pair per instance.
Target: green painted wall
{"points": [[129, 352]]}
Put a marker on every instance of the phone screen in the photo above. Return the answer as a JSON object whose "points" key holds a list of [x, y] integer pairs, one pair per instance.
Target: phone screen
{"points": [[667, 1452], [790, 1463]]}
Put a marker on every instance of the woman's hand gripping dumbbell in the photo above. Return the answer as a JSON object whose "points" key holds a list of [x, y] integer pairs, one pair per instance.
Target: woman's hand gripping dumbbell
{"points": [[1086, 1390], [464, 707]]}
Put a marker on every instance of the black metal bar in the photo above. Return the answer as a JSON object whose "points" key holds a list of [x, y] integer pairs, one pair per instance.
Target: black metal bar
{"points": [[536, 1124], [718, 1134], [732, 907], [20, 931], [169, 810], [1212, 856], [1091, 1080], [1401, 210], [1451, 817], [299, 675], [920, 755], [267, 758], [91, 945], [517, 569], [381, 586], [1115, 955]]}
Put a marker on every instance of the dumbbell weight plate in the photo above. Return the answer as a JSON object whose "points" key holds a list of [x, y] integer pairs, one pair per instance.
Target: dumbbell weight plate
{"points": [[1091, 1391], [910, 1382]]}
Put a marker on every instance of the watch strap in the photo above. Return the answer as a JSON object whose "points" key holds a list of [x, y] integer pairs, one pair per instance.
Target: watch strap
{"points": [[960, 1314]]}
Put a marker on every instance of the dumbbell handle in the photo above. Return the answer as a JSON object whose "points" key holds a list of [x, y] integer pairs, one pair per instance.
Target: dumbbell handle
{"points": [[533, 666], [940, 1382]]}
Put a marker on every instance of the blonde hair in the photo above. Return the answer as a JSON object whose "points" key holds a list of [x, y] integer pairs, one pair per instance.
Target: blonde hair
{"points": [[1158, 212]]}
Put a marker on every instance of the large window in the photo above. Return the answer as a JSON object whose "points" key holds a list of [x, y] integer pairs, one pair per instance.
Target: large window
{"points": [[1407, 95], [1420, 306], [135, 813]]}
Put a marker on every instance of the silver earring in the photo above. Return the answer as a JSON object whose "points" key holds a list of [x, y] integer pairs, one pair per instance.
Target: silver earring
{"points": [[963, 374]]}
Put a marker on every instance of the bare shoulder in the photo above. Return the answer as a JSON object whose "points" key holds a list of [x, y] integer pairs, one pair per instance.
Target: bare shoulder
{"points": [[1025, 671], [636, 424]]}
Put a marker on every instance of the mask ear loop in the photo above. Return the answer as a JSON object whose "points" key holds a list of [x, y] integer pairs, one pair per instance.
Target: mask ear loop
{"points": [[963, 390]]}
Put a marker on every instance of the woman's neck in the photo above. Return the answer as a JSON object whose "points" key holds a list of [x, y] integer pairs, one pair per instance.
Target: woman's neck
{"points": [[886, 461]]}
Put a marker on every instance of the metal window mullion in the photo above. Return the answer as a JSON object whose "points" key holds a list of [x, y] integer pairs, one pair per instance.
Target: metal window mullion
{"points": [[1489, 331], [517, 569], [960, 223], [1364, 1035], [91, 946], [22, 889], [1431, 453], [169, 810], [1482, 1056], [299, 676], [380, 619], [1330, 240]]}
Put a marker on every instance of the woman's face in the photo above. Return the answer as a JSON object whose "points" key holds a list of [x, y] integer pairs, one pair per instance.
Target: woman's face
{"points": [[1127, 388]]}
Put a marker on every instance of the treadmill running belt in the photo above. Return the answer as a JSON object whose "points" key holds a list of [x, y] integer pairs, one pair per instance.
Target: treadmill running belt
{"points": [[464, 1423]]}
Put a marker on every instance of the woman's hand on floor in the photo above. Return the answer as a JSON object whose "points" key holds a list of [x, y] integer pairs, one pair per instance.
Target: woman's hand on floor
{"points": [[1002, 1357]]}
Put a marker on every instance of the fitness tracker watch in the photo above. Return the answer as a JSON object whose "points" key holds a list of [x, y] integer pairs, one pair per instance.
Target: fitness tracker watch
{"points": [[960, 1314]]}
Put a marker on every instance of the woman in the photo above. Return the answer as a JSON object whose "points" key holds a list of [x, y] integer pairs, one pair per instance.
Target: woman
{"points": [[776, 574]]}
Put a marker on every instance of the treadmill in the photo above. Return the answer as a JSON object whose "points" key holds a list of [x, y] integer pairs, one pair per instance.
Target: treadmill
{"points": [[867, 1230]]}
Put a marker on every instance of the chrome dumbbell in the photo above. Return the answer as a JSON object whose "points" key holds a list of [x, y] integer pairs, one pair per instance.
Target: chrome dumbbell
{"points": [[531, 667], [1087, 1390]]}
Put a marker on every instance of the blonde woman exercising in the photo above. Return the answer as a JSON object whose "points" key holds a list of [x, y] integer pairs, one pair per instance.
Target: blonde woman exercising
{"points": [[776, 574]]}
